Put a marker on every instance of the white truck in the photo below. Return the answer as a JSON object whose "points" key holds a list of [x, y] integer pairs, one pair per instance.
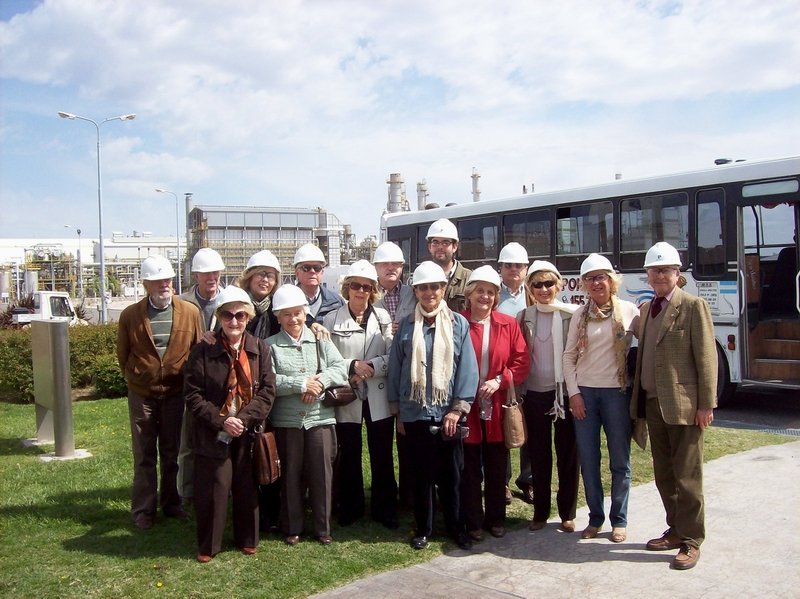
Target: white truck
{"points": [[47, 305]]}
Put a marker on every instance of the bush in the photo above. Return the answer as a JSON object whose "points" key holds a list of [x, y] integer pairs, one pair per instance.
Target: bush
{"points": [[16, 366], [86, 345], [108, 379]]}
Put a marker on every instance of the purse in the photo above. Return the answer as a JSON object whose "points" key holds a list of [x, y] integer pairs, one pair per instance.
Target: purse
{"points": [[335, 397], [514, 431], [265, 458]]}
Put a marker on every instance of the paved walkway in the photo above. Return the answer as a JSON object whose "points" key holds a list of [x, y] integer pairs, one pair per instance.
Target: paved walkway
{"points": [[752, 548]]}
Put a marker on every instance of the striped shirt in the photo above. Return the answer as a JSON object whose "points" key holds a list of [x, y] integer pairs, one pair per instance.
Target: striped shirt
{"points": [[161, 325]]}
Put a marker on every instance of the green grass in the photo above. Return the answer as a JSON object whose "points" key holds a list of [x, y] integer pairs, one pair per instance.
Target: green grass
{"points": [[65, 527]]}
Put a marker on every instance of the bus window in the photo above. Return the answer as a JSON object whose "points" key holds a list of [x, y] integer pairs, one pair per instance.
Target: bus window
{"points": [[648, 220], [581, 230], [422, 244], [477, 241], [531, 230], [710, 260]]}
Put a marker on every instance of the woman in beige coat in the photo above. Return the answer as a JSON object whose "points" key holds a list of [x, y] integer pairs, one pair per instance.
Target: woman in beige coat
{"points": [[363, 335]]}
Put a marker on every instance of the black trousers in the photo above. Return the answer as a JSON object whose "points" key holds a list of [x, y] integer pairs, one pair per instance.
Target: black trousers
{"points": [[436, 462], [540, 442], [484, 463], [350, 487]]}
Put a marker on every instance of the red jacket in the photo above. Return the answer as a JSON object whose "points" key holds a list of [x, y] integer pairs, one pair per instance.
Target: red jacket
{"points": [[508, 357]]}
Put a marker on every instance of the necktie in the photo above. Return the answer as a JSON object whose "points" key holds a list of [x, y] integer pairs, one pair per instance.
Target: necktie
{"points": [[655, 308]]}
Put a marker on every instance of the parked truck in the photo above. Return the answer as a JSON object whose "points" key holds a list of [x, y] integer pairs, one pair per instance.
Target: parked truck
{"points": [[47, 305]]}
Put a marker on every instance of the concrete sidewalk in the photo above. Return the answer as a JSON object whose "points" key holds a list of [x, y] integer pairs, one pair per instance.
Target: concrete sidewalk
{"points": [[752, 547]]}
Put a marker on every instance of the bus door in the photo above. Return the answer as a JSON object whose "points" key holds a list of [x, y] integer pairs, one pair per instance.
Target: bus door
{"points": [[768, 259]]}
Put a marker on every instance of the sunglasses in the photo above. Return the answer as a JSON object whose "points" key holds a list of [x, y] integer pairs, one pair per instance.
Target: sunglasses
{"points": [[265, 274], [425, 287], [310, 267], [601, 278], [545, 284], [511, 265], [229, 316], [361, 287]]}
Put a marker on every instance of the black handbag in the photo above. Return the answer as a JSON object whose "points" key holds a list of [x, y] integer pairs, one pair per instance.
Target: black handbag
{"points": [[335, 397]]}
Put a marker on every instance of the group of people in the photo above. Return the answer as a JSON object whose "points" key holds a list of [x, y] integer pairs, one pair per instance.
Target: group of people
{"points": [[434, 361]]}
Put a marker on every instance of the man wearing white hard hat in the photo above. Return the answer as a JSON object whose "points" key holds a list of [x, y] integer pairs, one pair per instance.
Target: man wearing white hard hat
{"points": [[433, 378], [153, 342], [442, 245], [675, 388], [397, 297], [309, 267], [513, 261], [207, 267]]}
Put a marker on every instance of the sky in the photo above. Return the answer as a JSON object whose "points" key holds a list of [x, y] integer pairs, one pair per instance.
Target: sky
{"points": [[314, 103]]}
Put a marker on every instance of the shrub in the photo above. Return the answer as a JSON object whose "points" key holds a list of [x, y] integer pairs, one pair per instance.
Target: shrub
{"points": [[16, 366], [108, 379], [86, 345]]}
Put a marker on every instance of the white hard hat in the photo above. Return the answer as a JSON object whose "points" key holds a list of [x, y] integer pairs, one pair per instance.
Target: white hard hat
{"points": [[156, 268], [513, 253], [207, 260], [232, 294], [596, 262], [662, 254], [263, 258], [288, 296], [428, 272], [308, 253], [362, 268], [445, 229], [388, 252], [542, 266], [485, 273]]}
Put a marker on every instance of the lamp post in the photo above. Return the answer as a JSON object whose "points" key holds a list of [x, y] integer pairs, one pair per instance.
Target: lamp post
{"points": [[124, 117], [80, 266], [177, 233]]}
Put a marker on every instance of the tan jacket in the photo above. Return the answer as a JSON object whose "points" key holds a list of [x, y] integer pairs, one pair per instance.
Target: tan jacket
{"points": [[146, 373], [686, 359]]}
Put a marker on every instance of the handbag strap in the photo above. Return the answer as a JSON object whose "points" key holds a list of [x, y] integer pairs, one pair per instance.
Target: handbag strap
{"points": [[319, 360]]}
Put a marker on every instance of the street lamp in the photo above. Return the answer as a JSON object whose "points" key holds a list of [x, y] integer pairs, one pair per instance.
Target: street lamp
{"points": [[124, 117], [177, 233], [80, 267]]}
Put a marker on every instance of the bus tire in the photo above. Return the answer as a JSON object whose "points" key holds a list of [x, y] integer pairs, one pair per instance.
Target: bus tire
{"points": [[725, 388]]}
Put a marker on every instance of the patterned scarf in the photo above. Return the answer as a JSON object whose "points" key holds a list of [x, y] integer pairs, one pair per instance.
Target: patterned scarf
{"points": [[594, 312], [240, 381], [441, 357]]}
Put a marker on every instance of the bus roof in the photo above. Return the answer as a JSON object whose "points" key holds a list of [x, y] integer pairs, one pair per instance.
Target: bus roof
{"points": [[727, 173]]}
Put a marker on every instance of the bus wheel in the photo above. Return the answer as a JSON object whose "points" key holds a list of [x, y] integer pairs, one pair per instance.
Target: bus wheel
{"points": [[725, 388]]}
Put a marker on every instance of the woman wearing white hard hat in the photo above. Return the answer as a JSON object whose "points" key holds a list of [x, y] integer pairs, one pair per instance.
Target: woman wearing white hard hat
{"points": [[363, 335], [502, 361], [261, 278], [433, 376], [305, 429], [597, 382], [229, 388], [545, 323]]}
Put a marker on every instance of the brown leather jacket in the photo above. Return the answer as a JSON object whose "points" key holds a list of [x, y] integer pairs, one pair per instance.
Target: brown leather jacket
{"points": [[205, 391], [146, 373]]}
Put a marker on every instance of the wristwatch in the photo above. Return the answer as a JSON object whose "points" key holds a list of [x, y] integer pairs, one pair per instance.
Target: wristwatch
{"points": [[498, 379]]}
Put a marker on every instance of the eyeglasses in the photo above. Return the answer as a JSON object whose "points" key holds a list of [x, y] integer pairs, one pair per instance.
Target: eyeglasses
{"points": [[229, 316], [601, 278], [425, 287], [310, 267], [441, 242], [511, 265], [661, 271], [540, 284], [265, 274], [366, 287]]}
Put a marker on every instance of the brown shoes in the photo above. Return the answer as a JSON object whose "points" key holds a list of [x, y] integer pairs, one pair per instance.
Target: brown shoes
{"points": [[527, 494], [665, 542], [292, 540], [476, 535], [203, 559], [143, 521], [568, 525], [248, 550], [509, 496], [497, 531], [687, 557], [536, 525], [325, 539], [590, 532], [618, 534]]}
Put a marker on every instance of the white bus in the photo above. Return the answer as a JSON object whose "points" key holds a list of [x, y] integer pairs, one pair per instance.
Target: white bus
{"points": [[735, 227]]}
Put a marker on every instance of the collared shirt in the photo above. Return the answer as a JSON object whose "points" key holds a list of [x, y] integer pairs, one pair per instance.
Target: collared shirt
{"points": [[511, 303], [391, 299]]}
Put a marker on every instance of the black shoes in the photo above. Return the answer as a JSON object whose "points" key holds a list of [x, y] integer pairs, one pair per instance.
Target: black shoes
{"points": [[419, 542]]}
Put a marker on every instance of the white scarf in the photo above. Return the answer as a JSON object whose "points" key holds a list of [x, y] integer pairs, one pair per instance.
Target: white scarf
{"points": [[441, 357], [557, 330]]}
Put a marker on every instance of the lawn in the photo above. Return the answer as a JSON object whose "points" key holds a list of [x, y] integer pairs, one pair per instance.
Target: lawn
{"points": [[65, 528]]}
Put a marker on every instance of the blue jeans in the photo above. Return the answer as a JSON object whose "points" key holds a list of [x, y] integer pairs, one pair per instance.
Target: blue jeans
{"points": [[607, 408]]}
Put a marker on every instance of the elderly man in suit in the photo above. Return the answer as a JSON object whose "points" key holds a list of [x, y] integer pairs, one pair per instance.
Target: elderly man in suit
{"points": [[675, 387]]}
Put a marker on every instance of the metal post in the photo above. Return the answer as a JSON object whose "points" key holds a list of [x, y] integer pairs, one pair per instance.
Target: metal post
{"points": [[177, 233]]}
